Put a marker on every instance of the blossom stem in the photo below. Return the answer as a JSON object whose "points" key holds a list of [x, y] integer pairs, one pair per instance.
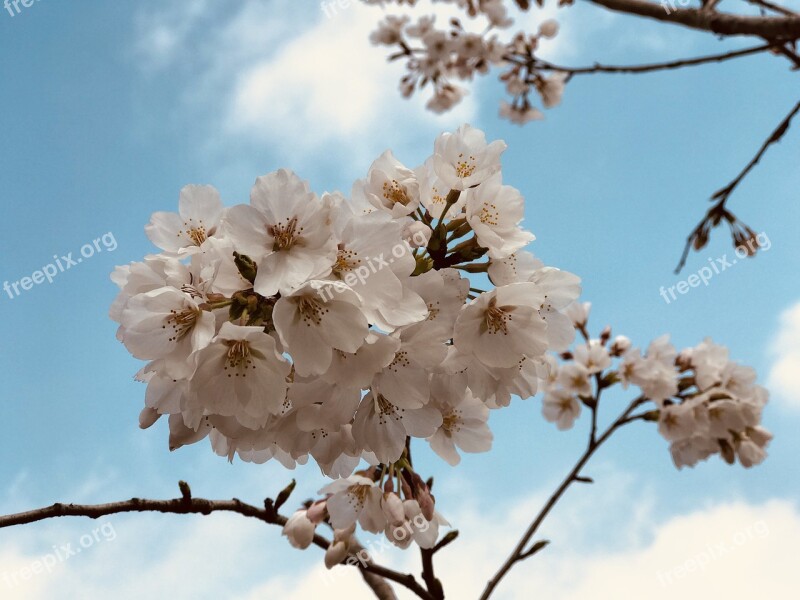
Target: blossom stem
{"points": [[519, 553], [647, 68], [452, 198]]}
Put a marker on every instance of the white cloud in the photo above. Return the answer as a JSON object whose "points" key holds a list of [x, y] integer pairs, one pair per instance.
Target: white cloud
{"points": [[330, 83], [311, 89], [784, 377]]}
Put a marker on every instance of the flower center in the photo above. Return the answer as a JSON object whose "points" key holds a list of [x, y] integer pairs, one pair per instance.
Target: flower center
{"points": [[400, 360], [451, 422], [197, 235], [438, 198], [465, 167], [357, 495], [310, 311], [497, 318], [346, 260], [386, 410], [489, 214], [285, 235], [395, 193], [181, 322], [565, 405], [433, 310], [238, 358]]}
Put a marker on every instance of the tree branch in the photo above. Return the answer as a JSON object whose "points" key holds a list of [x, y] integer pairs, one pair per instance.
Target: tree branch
{"points": [[374, 574], [770, 28], [428, 576], [519, 552], [648, 68], [717, 213]]}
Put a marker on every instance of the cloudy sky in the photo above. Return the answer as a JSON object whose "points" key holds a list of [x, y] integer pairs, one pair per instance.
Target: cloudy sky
{"points": [[110, 108]]}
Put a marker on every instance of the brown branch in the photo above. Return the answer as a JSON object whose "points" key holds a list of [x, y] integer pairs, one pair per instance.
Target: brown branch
{"points": [[428, 576], [519, 553], [770, 28], [374, 574], [717, 213], [790, 54], [773, 7], [648, 68]]}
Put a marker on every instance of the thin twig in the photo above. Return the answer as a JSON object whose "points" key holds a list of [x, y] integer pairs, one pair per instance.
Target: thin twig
{"points": [[773, 7], [519, 553], [712, 217], [649, 68]]}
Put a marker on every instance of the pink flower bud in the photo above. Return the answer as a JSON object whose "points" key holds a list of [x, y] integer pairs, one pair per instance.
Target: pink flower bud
{"points": [[392, 507], [299, 530], [548, 29], [317, 511]]}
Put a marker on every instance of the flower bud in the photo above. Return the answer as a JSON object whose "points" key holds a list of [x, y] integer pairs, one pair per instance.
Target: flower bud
{"points": [[620, 345], [317, 511], [426, 502], [578, 312], [548, 29], [392, 507], [299, 530]]}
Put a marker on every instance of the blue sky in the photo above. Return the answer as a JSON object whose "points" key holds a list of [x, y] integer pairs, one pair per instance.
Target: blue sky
{"points": [[110, 108]]}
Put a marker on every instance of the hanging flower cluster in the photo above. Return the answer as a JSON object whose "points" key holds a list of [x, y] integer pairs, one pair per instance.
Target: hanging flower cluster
{"points": [[315, 325], [437, 56], [705, 404]]}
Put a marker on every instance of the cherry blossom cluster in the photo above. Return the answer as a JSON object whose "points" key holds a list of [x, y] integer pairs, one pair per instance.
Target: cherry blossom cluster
{"points": [[705, 404], [302, 325], [439, 56]]}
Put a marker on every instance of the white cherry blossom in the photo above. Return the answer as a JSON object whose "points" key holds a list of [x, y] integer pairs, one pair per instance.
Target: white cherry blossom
{"points": [[463, 159], [502, 326], [313, 328], [286, 230], [198, 218], [495, 211], [240, 374]]}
